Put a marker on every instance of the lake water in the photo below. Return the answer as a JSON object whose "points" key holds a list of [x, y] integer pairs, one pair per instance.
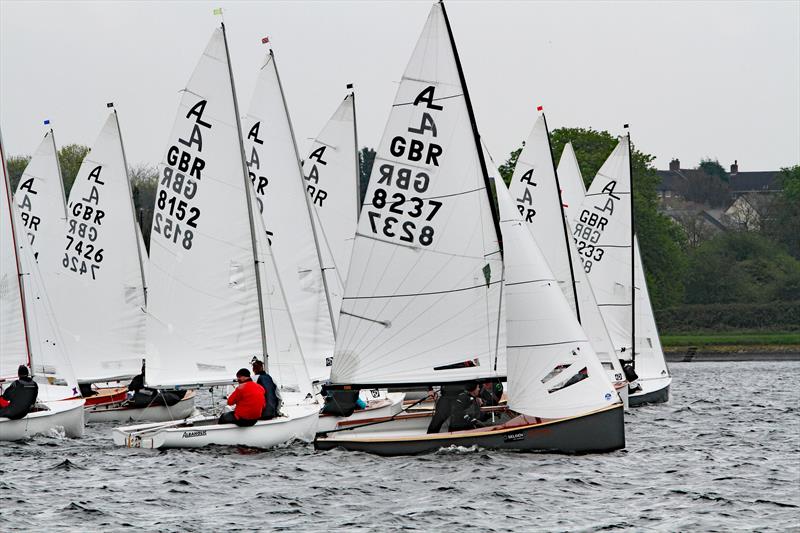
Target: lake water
{"points": [[724, 454]]}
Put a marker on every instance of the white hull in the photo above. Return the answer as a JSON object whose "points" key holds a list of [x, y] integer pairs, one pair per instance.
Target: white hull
{"points": [[119, 413], [329, 423], [654, 390], [66, 415], [300, 423]]}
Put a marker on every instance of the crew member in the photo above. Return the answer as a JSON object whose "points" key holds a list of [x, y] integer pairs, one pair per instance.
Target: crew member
{"points": [[20, 396], [271, 398], [248, 399], [491, 393], [466, 413], [444, 406]]}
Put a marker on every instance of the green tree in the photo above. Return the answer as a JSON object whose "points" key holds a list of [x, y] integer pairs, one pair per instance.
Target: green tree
{"points": [[144, 186], [366, 158], [662, 241], [713, 168], [70, 158], [16, 165], [782, 221]]}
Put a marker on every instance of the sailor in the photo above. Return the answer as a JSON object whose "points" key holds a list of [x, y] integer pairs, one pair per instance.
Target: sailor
{"points": [[271, 396], [248, 399], [631, 376], [491, 392], [466, 413], [20, 396], [444, 406]]}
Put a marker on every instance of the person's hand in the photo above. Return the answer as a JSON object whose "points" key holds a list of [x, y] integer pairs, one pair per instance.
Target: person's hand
{"points": [[479, 401]]}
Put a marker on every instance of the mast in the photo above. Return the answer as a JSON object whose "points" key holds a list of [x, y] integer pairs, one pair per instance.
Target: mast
{"points": [[358, 158], [567, 236], [246, 179], [130, 197], [305, 194], [475, 133], [9, 199], [633, 256]]}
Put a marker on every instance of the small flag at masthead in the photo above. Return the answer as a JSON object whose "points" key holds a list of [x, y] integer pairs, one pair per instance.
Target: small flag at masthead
{"points": [[265, 40], [539, 108], [218, 11], [349, 85], [46, 121], [110, 104]]}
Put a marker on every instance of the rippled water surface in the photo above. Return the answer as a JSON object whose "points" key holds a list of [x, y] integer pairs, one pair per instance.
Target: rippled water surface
{"points": [[723, 454]]}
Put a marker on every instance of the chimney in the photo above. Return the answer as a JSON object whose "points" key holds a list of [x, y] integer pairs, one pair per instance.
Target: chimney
{"points": [[675, 165], [735, 167]]}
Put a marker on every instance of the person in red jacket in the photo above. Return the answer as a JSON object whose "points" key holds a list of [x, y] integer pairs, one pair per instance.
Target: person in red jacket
{"points": [[248, 399]]}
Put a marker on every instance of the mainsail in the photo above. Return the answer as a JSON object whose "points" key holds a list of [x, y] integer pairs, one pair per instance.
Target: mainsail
{"points": [[204, 309], [572, 187], [423, 294], [553, 371], [331, 172], [274, 168], [603, 234], [96, 282]]}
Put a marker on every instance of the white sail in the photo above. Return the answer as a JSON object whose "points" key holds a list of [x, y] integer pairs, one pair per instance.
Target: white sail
{"points": [[602, 231], [40, 201], [422, 298], [96, 281], [534, 188], [546, 344], [203, 319], [650, 362], [569, 177], [275, 171], [572, 193], [331, 173], [13, 334]]}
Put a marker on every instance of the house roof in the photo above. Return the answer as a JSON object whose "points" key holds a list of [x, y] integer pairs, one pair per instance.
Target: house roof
{"points": [[760, 181]]}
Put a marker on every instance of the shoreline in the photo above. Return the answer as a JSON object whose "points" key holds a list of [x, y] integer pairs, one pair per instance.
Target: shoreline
{"points": [[685, 356]]}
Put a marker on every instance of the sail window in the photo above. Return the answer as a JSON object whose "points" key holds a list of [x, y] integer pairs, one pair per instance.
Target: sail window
{"points": [[582, 374], [469, 363]]}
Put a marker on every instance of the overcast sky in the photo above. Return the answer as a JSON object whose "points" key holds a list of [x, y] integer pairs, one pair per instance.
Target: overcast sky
{"points": [[694, 79]]}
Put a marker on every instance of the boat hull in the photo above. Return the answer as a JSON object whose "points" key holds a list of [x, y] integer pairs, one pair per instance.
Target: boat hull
{"points": [[299, 424], [119, 412], [66, 415], [599, 431], [651, 393], [389, 407]]}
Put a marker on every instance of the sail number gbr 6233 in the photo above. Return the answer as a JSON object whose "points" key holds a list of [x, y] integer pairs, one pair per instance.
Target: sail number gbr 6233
{"points": [[175, 217], [398, 208]]}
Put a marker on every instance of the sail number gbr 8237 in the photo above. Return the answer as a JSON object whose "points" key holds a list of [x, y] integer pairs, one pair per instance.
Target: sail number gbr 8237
{"points": [[175, 217], [398, 208]]}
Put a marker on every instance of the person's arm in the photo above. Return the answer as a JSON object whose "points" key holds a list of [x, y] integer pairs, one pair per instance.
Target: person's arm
{"points": [[4, 402], [234, 397]]}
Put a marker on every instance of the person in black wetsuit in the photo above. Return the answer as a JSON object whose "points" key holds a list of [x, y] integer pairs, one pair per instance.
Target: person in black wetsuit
{"points": [[19, 397], [491, 393], [466, 413], [272, 407], [444, 406]]}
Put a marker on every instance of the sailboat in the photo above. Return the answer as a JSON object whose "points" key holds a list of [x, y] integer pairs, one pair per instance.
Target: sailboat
{"points": [[18, 345], [537, 192], [310, 227], [215, 298], [423, 303], [604, 232], [100, 265]]}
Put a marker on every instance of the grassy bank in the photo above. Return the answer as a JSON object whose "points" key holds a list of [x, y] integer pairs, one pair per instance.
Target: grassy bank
{"points": [[734, 342]]}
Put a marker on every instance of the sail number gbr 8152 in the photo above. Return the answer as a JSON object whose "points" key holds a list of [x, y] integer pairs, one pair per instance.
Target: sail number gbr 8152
{"points": [[398, 208], [175, 217]]}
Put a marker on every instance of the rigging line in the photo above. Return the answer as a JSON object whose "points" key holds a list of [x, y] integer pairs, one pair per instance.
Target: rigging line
{"points": [[550, 280], [545, 344], [384, 323], [435, 99], [377, 297]]}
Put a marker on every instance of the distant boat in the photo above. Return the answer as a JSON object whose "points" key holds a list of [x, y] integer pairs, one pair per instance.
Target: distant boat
{"points": [[424, 301], [537, 189], [604, 232], [19, 340]]}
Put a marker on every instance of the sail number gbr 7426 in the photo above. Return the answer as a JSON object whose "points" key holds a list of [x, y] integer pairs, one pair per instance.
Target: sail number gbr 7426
{"points": [[397, 209], [175, 217]]}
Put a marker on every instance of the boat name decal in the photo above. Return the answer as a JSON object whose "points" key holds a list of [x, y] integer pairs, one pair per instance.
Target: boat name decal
{"points": [[513, 437], [190, 434]]}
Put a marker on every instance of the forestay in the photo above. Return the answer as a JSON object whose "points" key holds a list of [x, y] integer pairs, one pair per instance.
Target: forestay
{"points": [[97, 289], [13, 336], [203, 320], [602, 231], [422, 298], [331, 174], [553, 371], [274, 168], [650, 362]]}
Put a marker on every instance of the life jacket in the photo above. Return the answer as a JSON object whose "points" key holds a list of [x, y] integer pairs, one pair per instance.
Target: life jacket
{"points": [[22, 394], [340, 402], [271, 396]]}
